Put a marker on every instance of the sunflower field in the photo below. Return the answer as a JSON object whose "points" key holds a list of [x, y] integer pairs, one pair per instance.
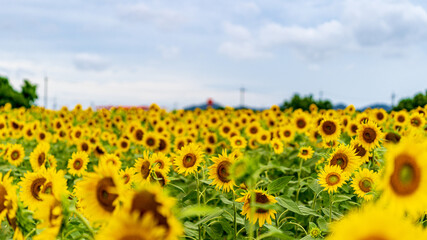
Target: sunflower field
{"points": [[133, 174]]}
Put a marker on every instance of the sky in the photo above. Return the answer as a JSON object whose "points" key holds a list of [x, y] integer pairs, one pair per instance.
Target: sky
{"points": [[179, 53]]}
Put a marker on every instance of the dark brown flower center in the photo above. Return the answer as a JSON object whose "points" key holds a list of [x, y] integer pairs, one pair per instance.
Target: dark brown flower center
{"points": [[222, 171], [340, 159], [144, 202], [301, 123], [332, 179], [139, 134], [369, 135], [42, 136], [36, 187], [406, 176], [401, 119], [416, 122], [226, 129], [392, 137], [3, 194], [380, 116], [261, 198], [304, 152], [151, 142], [126, 178], [189, 160], [253, 130], [160, 178], [365, 184], [287, 133], [15, 155], [41, 158], [329, 127], [85, 147], [162, 144], [78, 163], [145, 169], [353, 128], [104, 197], [359, 150]]}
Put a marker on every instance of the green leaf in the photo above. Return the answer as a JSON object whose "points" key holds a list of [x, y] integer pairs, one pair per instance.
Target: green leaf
{"points": [[289, 204], [210, 216], [308, 211], [341, 198], [225, 200], [195, 210], [278, 184], [323, 225], [315, 186]]}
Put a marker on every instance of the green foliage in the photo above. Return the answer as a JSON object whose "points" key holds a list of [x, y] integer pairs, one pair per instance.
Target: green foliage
{"points": [[304, 103], [25, 98], [419, 100]]}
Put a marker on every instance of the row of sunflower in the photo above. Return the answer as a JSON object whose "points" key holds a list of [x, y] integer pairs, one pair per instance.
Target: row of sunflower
{"points": [[109, 174]]}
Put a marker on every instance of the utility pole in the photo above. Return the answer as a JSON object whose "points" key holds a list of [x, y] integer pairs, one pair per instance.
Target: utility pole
{"points": [[242, 96], [45, 92], [320, 95], [393, 96]]}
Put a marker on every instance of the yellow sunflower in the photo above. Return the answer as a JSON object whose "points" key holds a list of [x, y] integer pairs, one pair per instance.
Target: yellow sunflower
{"points": [[78, 163], [329, 129], [142, 167], [38, 156], [8, 197], [220, 171], [404, 182], [259, 214], [43, 181], [110, 160], [352, 128], [99, 192], [363, 183], [128, 176], [238, 142], [50, 216], [188, 159], [85, 146], [306, 153], [277, 145], [287, 133], [374, 222], [345, 157], [369, 135], [150, 141], [16, 154], [332, 178], [161, 162]]}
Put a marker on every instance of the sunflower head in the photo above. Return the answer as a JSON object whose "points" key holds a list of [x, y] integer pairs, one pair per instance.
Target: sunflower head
{"points": [[220, 171], [78, 163], [260, 214], [305, 153], [369, 134], [189, 158], [332, 178]]}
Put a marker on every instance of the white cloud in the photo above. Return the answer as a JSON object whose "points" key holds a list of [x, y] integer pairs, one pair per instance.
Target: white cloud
{"points": [[247, 8], [90, 62], [169, 52]]}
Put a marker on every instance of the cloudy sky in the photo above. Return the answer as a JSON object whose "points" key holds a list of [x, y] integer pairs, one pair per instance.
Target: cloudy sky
{"points": [[177, 53]]}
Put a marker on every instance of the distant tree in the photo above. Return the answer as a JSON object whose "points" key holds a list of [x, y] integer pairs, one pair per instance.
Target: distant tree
{"points": [[304, 103], [419, 100], [25, 98]]}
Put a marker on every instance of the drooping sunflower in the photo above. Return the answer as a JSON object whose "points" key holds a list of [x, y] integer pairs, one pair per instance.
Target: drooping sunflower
{"points": [[219, 171], [404, 182], [50, 216], [158, 177], [188, 159], [260, 214], [369, 135], [363, 183], [238, 142], [345, 157], [15, 154], [329, 129], [38, 156], [277, 145], [8, 197], [161, 162], [306, 153], [360, 150], [142, 167], [332, 178], [151, 200], [128, 176], [78, 163], [374, 222], [99, 192], [43, 181]]}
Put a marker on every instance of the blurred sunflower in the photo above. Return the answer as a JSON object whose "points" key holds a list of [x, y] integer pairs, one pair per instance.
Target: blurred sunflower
{"points": [[8, 197], [161, 162], [329, 129], [50, 216], [363, 183], [39, 156], [277, 145], [142, 167], [369, 135], [345, 157], [305, 153], [78, 163], [110, 160], [238, 142], [360, 150], [150, 141], [128, 176], [188, 159], [219, 171], [16, 154], [332, 178], [260, 214]]}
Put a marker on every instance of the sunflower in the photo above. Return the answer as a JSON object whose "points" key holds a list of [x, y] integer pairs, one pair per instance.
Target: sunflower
{"points": [[8, 197], [379, 115], [374, 222], [352, 128], [225, 129], [253, 129], [401, 117], [238, 142], [138, 135], [345, 157], [188, 159], [305, 153], [329, 129], [369, 135], [332, 178], [363, 183], [219, 171], [259, 214], [417, 120], [404, 182], [263, 137], [301, 122], [85, 146], [142, 167], [159, 177], [211, 139], [38, 156], [128, 176], [161, 162], [151, 200], [78, 163], [50, 216], [34, 184], [360, 150], [99, 150], [15, 154], [277, 145], [98, 193], [150, 141], [111, 160], [164, 144]]}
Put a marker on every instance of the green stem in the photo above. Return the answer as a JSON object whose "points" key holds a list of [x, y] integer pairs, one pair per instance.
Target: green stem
{"points": [[235, 216], [29, 234], [84, 221], [299, 179], [198, 203], [330, 207]]}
